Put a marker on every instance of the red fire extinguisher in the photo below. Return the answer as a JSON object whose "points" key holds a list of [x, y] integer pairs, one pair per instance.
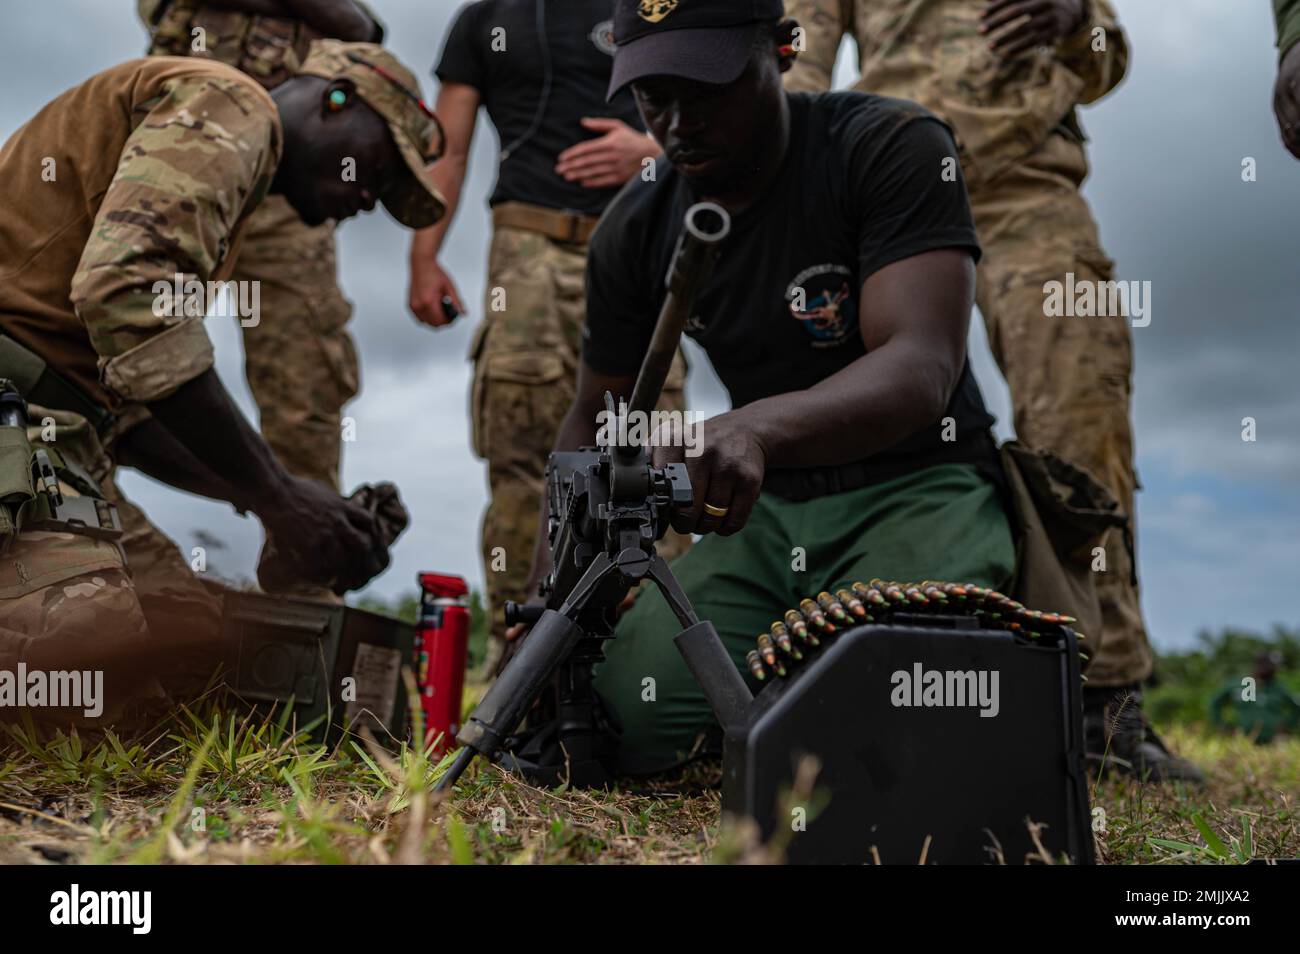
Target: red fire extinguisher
{"points": [[441, 645]]}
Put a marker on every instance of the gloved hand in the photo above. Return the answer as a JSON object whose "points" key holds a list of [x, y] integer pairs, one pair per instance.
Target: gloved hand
{"points": [[284, 564]]}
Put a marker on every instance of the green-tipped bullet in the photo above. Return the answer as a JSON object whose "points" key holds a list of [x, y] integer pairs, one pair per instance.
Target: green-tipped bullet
{"points": [[913, 594], [781, 636], [832, 607], [796, 624], [767, 649], [956, 592], [853, 604], [755, 663], [870, 595], [934, 593], [813, 614], [894, 594]]}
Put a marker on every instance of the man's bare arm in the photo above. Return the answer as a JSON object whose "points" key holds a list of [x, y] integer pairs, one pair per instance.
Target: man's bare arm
{"points": [[914, 316], [153, 450], [331, 537], [457, 110]]}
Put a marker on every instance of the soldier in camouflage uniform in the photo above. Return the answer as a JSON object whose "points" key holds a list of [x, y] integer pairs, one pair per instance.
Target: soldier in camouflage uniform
{"points": [[300, 361], [565, 154], [1011, 104], [145, 175]]}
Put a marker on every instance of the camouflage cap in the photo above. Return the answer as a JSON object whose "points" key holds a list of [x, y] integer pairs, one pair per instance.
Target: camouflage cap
{"points": [[391, 90]]}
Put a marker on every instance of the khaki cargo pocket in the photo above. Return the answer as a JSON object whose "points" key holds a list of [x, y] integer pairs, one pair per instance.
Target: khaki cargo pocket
{"points": [[520, 397], [330, 313], [1059, 514], [40, 559]]}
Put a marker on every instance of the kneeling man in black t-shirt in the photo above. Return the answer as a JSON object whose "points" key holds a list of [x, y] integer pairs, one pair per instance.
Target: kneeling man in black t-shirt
{"points": [[858, 444]]}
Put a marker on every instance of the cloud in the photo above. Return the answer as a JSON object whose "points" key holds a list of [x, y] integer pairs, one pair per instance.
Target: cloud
{"points": [[1166, 155]]}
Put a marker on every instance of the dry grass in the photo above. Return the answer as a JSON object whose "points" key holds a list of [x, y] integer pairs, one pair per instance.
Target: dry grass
{"points": [[222, 789]]}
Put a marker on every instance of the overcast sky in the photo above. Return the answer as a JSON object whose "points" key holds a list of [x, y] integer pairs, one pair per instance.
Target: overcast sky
{"points": [[1218, 518]]}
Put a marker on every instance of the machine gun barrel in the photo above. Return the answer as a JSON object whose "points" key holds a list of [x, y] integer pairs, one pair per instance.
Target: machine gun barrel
{"points": [[706, 224]]}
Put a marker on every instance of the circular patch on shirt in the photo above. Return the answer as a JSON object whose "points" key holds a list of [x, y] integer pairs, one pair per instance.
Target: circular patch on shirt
{"points": [[821, 299], [602, 34]]}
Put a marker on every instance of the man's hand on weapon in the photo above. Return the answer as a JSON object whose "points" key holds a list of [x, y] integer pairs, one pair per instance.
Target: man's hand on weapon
{"points": [[1042, 23], [726, 476], [608, 160], [1286, 100]]}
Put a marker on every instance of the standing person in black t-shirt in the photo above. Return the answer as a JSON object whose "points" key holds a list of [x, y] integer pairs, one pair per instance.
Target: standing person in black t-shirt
{"points": [[541, 69], [858, 444]]}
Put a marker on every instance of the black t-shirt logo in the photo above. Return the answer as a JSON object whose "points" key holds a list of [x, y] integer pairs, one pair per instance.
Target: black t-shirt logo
{"points": [[821, 299], [602, 34]]}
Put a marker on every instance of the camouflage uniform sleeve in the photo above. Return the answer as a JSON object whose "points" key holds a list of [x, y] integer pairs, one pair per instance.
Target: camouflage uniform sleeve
{"points": [[203, 156], [1288, 24], [1100, 58], [824, 23]]}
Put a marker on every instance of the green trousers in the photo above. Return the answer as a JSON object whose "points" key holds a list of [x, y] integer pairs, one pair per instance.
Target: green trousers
{"points": [[943, 523]]}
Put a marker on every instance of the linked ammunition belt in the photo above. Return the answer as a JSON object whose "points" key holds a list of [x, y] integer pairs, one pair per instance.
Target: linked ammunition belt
{"points": [[802, 631]]}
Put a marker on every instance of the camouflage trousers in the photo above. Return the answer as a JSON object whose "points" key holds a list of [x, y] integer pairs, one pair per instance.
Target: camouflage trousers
{"points": [[1070, 377], [300, 361], [526, 352], [67, 601]]}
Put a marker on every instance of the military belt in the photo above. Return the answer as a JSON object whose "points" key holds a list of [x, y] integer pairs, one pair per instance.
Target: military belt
{"points": [[800, 484], [556, 224]]}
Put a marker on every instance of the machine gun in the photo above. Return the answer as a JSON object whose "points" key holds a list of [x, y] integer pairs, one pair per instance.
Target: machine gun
{"points": [[608, 507], [831, 668]]}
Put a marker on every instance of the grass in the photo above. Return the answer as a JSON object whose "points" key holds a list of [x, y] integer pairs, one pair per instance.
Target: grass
{"points": [[208, 786], [1251, 806]]}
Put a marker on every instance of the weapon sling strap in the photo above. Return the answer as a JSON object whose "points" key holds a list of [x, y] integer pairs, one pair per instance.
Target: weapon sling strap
{"points": [[43, 386]]}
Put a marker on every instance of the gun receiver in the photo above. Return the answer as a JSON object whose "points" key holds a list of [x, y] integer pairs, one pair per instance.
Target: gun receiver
{"points": [[607, 508]]}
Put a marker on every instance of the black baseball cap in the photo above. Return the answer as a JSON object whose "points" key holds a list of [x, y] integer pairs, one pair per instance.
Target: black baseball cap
{"points": [[704, 40]]}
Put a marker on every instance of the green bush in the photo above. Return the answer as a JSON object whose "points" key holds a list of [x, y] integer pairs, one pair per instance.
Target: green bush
{"points": [[1186, 681]]}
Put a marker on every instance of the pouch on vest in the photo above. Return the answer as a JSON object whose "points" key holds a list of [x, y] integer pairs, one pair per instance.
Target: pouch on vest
{"points": [[16, 488], [1060, 515]]}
